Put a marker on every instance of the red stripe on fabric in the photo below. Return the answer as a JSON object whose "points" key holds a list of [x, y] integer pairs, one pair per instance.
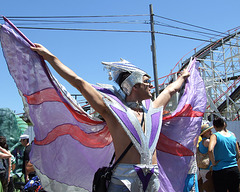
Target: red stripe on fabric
{"points": [[43, 96], [50, 95], [82, 117], [94, 140], [187, 111], [170, 146]]}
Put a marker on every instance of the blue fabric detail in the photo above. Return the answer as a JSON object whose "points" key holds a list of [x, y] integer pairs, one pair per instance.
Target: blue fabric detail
{"points": [[190, 182]]}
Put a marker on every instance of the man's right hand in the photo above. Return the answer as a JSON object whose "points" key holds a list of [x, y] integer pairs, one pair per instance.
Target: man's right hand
{"points": [[41, 50]]}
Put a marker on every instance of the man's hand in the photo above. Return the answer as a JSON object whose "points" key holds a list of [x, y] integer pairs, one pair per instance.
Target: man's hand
{"points": [[29, 168], [41, 50], [214, 163], [185, 73]]}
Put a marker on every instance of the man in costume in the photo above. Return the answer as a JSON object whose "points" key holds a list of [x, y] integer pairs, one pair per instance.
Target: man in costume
{"points": [[65, 133], [137, 87]]}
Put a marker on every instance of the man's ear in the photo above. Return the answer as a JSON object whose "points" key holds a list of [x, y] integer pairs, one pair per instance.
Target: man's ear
{"points": [[135, 86]]}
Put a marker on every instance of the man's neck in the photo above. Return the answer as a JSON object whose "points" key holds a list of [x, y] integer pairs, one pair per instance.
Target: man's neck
{"points": [[134, 103]]}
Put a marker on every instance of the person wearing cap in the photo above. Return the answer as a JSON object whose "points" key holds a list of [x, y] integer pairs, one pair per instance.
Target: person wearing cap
{"points": [[136, 86], [205, 173], [27, 168], [224, 153]]}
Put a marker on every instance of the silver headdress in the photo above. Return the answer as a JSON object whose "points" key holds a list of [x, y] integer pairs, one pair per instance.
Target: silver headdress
{"points": [[136, 74]]}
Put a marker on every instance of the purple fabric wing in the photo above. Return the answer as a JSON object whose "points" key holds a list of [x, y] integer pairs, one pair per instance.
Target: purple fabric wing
{"points": [[181, 131], [69, 144]]}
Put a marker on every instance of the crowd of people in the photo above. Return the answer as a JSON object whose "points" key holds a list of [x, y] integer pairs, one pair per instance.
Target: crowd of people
{"points": [[10, 180], [222, 150], [221, 174]]}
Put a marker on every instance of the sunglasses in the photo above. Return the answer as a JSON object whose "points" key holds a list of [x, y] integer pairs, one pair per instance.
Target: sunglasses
{"points": [[147, 81]]}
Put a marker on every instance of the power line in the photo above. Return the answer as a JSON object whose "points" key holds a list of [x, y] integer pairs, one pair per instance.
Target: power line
{"points": [[192, 38], [79, 22], [189, 24], [189, 30], [110, 30], [78, 16], [36, 20], [185, 37], [109, 16], [121, 31], [106, 22], [75, 29], [124, 22]]}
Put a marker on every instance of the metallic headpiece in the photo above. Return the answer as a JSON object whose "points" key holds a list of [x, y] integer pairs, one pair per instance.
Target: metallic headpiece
{"points": [[116, 68]]}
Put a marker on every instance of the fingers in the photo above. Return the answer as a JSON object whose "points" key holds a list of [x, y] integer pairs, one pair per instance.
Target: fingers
{"points": [[41, 50], [36, 46], [33, 48], [185, 73]]}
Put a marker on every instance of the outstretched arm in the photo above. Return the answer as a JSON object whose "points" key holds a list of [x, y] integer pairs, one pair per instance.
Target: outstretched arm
{"points": [[4, 154], [91, 95], [170, 90]]}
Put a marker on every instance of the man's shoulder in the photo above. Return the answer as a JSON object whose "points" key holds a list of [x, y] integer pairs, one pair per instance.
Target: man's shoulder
{"points": [[28, 148], [110, 90]]}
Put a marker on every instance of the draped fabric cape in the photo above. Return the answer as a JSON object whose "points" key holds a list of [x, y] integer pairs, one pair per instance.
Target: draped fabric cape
{"points": [[70, 145]]}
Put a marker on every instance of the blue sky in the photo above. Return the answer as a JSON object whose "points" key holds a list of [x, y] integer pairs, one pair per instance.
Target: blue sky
{"points": [[83, 51]]}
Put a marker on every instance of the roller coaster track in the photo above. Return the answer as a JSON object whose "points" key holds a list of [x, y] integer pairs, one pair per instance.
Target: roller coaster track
{"points": [[220, 70]]}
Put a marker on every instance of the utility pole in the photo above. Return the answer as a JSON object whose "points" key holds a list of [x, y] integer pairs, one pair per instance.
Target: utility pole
{"points": [[153, 49]]}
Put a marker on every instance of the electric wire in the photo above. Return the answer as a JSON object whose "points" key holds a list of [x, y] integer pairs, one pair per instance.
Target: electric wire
{"points": [[77, 29], [121, 31], [206, 34], [36, 21], [78, 16], [188, 24], [80, 22], [50, 22], [96, 16]]}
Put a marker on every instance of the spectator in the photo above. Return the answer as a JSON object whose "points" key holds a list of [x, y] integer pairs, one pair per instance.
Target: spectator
{"points": [[205, 173], [27, 169], [238, 162], [11, 187], [5, 163], [224, 153]]}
